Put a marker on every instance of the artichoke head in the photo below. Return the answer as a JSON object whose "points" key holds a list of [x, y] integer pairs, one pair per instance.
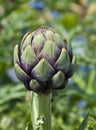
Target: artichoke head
{"points": [[43, 61]]}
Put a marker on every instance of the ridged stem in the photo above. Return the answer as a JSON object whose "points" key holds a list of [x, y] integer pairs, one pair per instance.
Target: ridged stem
{"points": [[41, 111]]}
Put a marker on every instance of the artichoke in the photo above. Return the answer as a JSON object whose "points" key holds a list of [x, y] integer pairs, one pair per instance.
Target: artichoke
{"points": [[43, 61]]}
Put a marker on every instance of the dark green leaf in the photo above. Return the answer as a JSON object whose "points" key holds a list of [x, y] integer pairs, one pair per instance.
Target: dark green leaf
{"points": [[84, 123]]}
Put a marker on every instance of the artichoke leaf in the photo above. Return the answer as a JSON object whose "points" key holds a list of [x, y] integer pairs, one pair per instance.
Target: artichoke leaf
{"points": [[28, 57], [20, 73], [49, 35], [74, 61], [26, 41], [16, 55], [38, 43], [58, 79], [58, 40], [70, 70], [50, 52], [42, 71], [34, 85], [63, 61], [23, 39]]}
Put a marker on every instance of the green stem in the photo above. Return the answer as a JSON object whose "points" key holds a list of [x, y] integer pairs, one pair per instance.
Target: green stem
{"points": [[41, 111]]}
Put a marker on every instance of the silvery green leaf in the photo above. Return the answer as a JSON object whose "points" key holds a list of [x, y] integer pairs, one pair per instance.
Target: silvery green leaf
{"points": [[58, 79], [63, 61], [20, 73], [42, 71]]}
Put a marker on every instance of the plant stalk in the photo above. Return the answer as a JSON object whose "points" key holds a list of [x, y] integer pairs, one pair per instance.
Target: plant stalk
{"points": [[41, 111]]}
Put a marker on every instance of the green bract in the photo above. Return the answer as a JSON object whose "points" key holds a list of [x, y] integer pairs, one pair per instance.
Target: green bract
{"points": [[43, 61]]}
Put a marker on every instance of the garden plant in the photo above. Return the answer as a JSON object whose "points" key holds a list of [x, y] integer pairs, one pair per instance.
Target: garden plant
{"points": [[39, 42], [43, 62]]}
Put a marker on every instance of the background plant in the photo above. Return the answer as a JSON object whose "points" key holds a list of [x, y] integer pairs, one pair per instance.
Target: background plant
{"points": [[74, 19]]}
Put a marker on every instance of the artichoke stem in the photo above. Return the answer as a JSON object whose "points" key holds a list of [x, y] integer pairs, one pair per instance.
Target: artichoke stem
{"points": [[41, 111]]}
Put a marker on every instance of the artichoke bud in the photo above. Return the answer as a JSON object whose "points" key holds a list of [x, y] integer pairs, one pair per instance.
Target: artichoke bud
{"points": [[43, 61]]}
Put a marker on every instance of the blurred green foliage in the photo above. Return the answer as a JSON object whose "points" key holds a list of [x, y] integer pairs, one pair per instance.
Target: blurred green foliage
{"points": [[74, 20]]}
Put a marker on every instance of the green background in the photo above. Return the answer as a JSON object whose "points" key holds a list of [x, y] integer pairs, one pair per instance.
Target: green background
{"points": [[75, 20]]}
